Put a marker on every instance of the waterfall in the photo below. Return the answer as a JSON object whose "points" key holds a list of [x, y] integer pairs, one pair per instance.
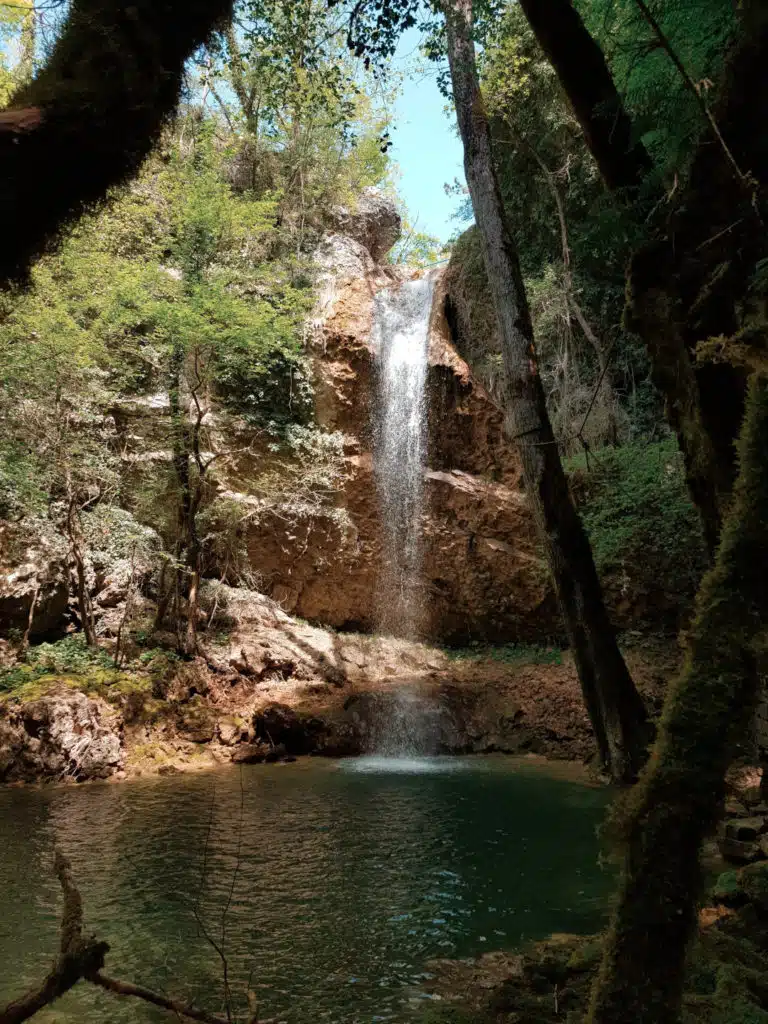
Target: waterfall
{"points": [[400, 340]]}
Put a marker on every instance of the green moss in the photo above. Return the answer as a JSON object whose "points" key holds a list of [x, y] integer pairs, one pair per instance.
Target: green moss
{"points": [[587, 955], [31, 687], [726, 886], [706, 715], [113, 686], [69, 662]]}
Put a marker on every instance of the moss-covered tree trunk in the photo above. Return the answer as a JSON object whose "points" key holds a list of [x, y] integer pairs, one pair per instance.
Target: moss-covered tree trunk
{"points": [[92, 114], [707, 710], [615, 708]]}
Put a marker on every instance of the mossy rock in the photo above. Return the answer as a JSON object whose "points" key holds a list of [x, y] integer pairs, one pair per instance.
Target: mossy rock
{"points": [[109, 684], [197, 722], [753, 881], [587, 955], [726, 889]]}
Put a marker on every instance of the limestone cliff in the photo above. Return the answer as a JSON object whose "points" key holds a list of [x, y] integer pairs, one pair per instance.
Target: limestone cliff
{"points": [[483, 574]]}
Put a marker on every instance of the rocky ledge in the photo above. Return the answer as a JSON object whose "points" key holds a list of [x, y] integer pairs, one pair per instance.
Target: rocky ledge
{"points": [[273, 687], [63, 735]]}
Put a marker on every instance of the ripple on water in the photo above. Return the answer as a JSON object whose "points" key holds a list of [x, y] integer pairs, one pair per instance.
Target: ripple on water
{"points": [[329, 884]]}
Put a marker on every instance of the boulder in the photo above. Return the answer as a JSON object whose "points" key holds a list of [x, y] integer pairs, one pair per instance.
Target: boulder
{"points": [[33, 569], [276, 753], [197, 722], [230, 731], [281, 726], [251, 753], [738, 851], [744, 829], [338, 256], [64, 734], [374, 222]]}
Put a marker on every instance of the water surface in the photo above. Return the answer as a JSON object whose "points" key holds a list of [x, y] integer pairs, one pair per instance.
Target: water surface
{"points": [[328, 884]]}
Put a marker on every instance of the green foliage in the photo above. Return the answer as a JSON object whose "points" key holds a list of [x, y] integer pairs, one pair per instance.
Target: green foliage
{"points": [[636, 509], [416, 248], [666, 114], [70, 656], [301, 112], [17, 46]]}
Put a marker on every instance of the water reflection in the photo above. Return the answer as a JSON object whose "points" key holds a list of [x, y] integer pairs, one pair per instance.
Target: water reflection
{"points": [[341, 880]]}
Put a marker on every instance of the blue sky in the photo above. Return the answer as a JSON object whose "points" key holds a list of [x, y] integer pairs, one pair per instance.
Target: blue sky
{"points": [[426, 147]]}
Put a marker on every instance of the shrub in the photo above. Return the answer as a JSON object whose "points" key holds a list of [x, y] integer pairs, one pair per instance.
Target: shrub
{"points": [[635, 506]]}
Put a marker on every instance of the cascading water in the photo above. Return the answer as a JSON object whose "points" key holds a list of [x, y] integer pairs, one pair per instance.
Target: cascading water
{"points": [[400, 340], [404, 726]]}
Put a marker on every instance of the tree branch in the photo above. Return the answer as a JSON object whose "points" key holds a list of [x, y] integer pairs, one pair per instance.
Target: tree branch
{"points": [[695, 90], [82, 959], [73, 133], [77, 958], [127, 988]]}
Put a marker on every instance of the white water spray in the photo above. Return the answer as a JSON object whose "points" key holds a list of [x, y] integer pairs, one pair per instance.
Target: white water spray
{"points": [[400, 339], [402, 727]]}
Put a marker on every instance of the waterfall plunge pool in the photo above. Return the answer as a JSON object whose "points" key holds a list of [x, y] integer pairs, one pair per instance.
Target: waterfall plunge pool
{"points": [[350, 877]]}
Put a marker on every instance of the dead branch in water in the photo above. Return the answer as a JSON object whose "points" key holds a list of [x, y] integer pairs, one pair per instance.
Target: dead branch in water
{"points": [[82, 959]]}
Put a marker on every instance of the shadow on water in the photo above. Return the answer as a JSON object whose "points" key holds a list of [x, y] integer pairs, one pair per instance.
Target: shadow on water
{"points": [[351, 875]]}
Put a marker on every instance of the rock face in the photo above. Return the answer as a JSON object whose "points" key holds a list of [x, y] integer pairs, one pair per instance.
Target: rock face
{"points": [[483, 574], [33, 571], [64, 735], [374, 222], [298, 689]]}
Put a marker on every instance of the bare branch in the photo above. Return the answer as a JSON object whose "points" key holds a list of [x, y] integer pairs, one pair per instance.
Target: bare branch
{"points": [[127, 988], [77, 958], [82, 959]]}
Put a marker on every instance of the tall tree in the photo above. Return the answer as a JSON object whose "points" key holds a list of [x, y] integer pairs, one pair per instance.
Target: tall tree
{"points": [[615, 708]]}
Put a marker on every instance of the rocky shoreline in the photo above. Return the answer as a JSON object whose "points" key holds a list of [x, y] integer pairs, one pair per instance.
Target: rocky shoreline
{"points": [[276, 687]]}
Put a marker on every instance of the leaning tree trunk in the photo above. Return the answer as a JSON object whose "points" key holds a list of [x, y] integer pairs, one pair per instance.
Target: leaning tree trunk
{"points": [[581, 68], [707, 710], [615, 708]]}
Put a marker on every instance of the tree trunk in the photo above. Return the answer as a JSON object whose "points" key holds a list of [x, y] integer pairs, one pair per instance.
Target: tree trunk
{"points": [[96, 128], [707, 711], [615, 708], [77, 545], [187, 545], [583, 73]]}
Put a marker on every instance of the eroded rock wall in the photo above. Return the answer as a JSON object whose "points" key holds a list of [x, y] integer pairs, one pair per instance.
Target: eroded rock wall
{"points": [[483, 572]]}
